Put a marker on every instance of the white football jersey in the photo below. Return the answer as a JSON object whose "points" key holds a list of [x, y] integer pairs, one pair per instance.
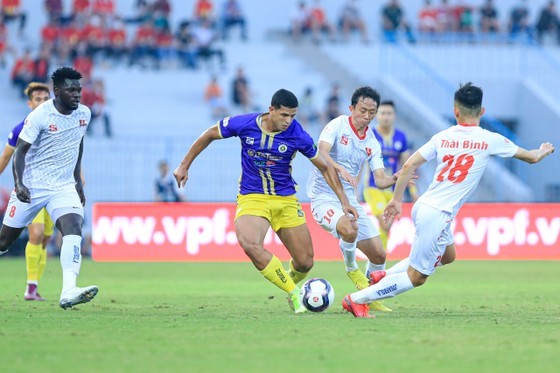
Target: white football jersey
{"points": [[348, 150], [462, 153], [55, 143]]}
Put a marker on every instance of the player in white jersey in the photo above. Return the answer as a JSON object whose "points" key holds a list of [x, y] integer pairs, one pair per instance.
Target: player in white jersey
{"points": [[348, 143], [47, 169], [462, 153]]}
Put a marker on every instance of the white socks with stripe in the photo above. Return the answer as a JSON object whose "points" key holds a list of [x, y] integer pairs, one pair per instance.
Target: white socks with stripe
{"points": [[70, 260], [388, 287]]}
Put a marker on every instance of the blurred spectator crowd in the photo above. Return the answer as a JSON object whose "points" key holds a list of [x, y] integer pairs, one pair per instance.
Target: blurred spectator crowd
{"points": [[456, 21], [93, 32]]}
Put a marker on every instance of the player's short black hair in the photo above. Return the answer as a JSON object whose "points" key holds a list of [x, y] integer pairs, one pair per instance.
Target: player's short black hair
{"points": [[388, 103], [469, 99], [365, 92], [283, 97], [62, 73]]}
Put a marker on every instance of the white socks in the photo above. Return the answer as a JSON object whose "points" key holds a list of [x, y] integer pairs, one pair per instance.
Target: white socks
{"points": [[399, 267], [349, 252], [388, 287], [371, 267], [70, 260]]}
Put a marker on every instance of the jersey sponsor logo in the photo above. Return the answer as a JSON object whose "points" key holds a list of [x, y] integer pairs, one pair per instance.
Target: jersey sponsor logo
{"points": [[53, 128], [282, 148], [249, 140], [225, 121], [82, 122], [256, 154], [344, 140]]}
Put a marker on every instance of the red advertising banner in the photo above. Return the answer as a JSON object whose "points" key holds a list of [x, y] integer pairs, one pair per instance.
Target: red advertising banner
{"points": [[145, 232]]}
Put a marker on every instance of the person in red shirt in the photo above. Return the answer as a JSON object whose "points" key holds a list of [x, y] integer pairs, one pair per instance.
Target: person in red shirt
{"points": [[116, 41], [319, 22], [3, 41], [11, 10], [93, 96], [104, 8], [204, 10], [81, 10], [69, 37], [94, 33], [427, 18], [83, 62], [164, 46], [41, 66], [144, 44], [22, 72], [49, 34]]}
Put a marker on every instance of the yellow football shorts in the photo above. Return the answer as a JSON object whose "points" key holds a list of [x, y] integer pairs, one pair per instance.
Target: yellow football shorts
{"points": [[44, 218], [280, 211], [377, 199]]}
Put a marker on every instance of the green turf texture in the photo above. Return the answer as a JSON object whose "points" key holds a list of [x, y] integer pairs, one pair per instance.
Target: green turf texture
{"points": [[202, 317]]}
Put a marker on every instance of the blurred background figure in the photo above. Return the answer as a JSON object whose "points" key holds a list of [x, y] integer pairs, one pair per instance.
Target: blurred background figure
{"points": [[351, 20], [232, 15], [214, 96], [166, 186]]}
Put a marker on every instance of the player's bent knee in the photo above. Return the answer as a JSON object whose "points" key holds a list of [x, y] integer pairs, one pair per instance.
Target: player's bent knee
{"points": [[70, 224], [417, 278], [303, 264], [347, 230], [251, 248]]}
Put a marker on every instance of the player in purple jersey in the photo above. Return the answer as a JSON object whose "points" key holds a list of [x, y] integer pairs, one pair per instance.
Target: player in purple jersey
{"points": [[269, 142], [395, 150], [41, 228]]}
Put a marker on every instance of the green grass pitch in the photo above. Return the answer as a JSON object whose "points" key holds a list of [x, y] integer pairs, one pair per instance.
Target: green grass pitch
{"points": [[224, 317]]}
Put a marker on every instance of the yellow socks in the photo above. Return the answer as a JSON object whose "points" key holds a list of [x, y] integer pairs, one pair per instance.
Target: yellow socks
{"points": [[384, 236], [275, 273], [42, 263], [294, 274], [32, 257]]}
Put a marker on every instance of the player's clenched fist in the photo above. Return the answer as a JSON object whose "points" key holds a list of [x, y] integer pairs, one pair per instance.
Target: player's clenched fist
{"points": [[181, 174], [392, 210], [547, 147], [22, 193]]}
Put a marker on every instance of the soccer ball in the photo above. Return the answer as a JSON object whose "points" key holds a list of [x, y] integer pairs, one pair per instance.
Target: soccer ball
{"points": [[317, 294]]}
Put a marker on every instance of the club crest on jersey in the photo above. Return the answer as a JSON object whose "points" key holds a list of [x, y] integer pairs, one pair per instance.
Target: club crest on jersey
{"points": [[282, 148], [398, 145], [344, 140], [82, 122], [53, 128], [249, 140], [368, 151]]}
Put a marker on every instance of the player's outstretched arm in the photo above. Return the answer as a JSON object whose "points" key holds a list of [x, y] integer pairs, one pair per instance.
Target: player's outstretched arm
{"points": [[78, 177], [406, 174], [394, 207], [5, 157], [325, 148], [535, 155], [18, 167], [331, 177], [181, 173]]}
